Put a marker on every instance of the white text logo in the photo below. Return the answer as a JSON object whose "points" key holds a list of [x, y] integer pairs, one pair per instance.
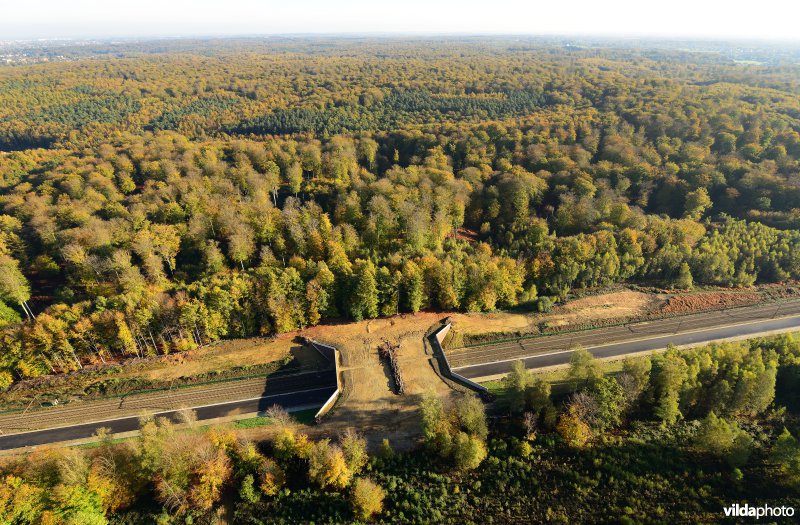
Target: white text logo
{"points": [[763, 511]]}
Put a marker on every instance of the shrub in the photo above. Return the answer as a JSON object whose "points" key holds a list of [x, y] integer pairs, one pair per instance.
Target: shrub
{"points": [[247, 490], [472, 416], [366, 498], [574, 430], [327, 466], [785, 454], [271, 477], [583, 368], [354, 448], [724, 439], [468, 451]]}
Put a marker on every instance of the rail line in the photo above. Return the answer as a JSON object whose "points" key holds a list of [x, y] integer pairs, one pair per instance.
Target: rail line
{"points": [[133, 405], [525, 347]]}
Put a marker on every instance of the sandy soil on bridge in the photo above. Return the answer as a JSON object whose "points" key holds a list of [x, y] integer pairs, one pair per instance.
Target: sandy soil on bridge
{"points": [[369, 405]]}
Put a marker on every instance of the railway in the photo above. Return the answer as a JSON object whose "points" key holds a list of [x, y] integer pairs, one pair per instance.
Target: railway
{"points": [[528, 346], [81, 420], [496, 359]]}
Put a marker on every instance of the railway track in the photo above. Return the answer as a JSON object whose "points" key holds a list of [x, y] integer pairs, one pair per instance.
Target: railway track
{"points": [[136, 404], [531, 346], [294, 400]]}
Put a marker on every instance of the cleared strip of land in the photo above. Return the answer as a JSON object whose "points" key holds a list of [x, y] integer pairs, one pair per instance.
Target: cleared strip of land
{"points": [[495, 359]]}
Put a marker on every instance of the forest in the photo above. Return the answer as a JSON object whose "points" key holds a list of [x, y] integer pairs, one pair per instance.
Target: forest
{"points": [[156, 199], [670, 438]]}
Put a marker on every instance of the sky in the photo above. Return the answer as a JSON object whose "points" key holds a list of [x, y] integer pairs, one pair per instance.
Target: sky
{"points": [[741, 19]]}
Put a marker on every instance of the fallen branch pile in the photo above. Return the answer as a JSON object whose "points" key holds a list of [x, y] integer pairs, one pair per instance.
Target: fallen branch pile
{"points": [[388, 352]]}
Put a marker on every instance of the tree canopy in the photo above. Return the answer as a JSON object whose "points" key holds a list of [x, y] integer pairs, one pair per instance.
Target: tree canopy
{"points": [[158, 201]]}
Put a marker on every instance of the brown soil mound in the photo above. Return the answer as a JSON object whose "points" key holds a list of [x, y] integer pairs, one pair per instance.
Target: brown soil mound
{"points": [[709, 301]]}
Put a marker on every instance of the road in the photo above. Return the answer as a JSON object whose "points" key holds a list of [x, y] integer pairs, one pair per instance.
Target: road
{"points": [[496, 359], [291, 392], [69, 422]]}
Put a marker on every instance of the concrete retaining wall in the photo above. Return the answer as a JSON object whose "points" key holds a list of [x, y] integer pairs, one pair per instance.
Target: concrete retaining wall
{"points": [[332, 354], [436, 340]]}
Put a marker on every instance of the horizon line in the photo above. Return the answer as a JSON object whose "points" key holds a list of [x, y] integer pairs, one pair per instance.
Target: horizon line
{"points": [[409, 35]]}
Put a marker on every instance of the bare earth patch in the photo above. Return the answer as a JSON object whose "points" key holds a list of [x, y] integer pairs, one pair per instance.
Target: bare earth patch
{"points": [[222, 355], [709, 300], [622, 304], [369, 405], [613, 305]]}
